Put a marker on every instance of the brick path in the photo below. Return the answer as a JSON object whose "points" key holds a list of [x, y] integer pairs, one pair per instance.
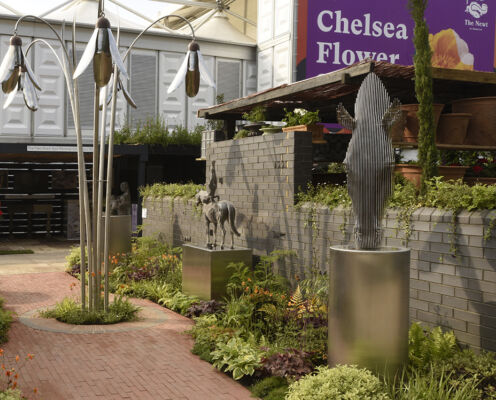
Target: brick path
{"points": [[148, 364]]}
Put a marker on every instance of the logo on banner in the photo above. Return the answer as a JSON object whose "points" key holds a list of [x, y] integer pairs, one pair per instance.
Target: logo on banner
{"points": [[476, 10]]}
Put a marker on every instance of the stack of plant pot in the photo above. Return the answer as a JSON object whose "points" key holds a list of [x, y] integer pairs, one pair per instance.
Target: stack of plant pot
{"points": [[472, 122]]}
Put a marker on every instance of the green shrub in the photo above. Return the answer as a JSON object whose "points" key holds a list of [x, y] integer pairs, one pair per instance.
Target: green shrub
{"points": [[342, 382], [242, 133], [11, 394], [161, 190], [238, 356], [436, 385], [5, 321], [155, 131], [429, 346], [271, 388], [257, 114], [207, 331], [70, 312]]}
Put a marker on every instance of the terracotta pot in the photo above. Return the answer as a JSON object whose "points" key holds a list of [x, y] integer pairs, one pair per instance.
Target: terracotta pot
{"points": [[451, 172], [316, 129], [482, 126], [398, 128], [452, 128], [472, 180], [410, 133], [411, 172], [414, 172]]}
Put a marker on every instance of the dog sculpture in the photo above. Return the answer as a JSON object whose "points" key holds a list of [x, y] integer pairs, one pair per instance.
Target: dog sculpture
{"points": [[217, 212]]}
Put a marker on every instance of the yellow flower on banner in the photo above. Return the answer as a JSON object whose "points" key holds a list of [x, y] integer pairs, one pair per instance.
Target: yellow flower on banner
{"points": [[449, 50]]}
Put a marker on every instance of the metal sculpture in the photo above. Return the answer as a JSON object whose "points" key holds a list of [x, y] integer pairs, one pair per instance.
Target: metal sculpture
{"points": [[369, 160], [102, 49], [217, 212]]}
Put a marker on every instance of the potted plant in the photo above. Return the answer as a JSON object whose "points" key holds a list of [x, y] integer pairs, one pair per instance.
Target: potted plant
{"points": [[303, 120], [257, 117]]}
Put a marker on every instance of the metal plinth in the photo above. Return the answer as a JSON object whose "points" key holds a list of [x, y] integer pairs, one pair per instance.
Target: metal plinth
{"points": [[120, 234], [205, 272], [368, 307]]}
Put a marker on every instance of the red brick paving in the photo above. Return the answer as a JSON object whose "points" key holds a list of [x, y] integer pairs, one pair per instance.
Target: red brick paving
{"points": [[148, 364]]}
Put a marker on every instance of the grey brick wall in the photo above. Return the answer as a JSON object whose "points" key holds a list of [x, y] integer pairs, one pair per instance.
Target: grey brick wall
{"points": [[261, 175]]}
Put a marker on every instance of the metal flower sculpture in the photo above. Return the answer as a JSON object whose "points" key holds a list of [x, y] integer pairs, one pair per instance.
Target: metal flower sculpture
{"points": [[192, 68], [102, 50], [16, 74], [120, 86]]}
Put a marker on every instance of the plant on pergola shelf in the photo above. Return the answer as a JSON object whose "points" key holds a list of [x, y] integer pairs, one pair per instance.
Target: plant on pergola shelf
{"points": [[102, 50]]}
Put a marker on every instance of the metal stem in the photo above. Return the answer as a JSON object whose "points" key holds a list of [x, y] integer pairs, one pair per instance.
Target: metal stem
{"points": [[96, 255], [99, 216], [151, 25], [110, 158]]}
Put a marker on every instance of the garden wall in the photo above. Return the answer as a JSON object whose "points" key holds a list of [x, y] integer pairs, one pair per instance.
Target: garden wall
{"points": [[260, 175]]}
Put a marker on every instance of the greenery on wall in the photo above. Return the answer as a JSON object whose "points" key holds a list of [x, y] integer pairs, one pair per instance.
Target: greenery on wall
{"points": [[427, 151], [161, 190], [155, 131]]}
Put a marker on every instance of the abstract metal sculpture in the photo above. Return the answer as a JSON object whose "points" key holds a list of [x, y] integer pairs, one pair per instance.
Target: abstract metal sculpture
{"points": [[370, 159]]}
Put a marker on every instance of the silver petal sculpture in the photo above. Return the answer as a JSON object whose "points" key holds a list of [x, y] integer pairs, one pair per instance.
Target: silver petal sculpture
{"points": [[120, 87], [192, 68], [102, 50], [370, 159], [16, 74]]}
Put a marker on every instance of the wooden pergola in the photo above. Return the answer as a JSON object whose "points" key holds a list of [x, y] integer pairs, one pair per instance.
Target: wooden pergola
{"points": [[325, 92]]}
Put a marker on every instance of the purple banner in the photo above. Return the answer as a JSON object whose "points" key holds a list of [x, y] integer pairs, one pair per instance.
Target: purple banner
{"points": [[343, 32]]}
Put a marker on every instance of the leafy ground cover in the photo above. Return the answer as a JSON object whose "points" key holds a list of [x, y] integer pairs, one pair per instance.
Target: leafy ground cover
{"points": [[271, 334], [5, 321]]}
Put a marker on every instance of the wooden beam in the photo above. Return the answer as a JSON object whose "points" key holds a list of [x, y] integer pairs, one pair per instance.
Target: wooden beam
{"points": [[285, 90]]}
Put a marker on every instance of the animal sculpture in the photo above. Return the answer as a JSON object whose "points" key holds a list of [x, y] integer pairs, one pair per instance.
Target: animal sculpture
{"points": [[217, 213], [369, 159]]}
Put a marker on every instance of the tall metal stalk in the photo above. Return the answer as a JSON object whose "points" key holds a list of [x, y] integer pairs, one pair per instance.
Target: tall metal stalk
{"points": [[96, 256], [99, 212]]}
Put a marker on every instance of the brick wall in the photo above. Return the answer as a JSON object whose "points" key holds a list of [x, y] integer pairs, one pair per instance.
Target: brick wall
{"points": [[260, 175]]}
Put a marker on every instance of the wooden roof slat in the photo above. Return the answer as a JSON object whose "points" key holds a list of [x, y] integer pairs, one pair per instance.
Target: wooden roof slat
{"points": [[325, 91]]}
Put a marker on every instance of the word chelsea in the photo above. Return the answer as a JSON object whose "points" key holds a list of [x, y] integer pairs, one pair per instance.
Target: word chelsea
{"points": [[333, 52]]}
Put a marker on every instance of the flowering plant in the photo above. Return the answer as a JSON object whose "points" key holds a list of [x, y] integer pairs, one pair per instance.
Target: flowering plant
{"points": [[300, 116], [483, 167], [10, 374]]}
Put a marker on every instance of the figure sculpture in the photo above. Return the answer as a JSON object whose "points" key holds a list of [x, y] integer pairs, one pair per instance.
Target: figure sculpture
{"points": [[217, 212], [369, 160], [121, 205]]}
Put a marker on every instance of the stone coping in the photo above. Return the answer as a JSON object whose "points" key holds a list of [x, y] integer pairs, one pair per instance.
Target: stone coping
{"points": [[148, 317]]}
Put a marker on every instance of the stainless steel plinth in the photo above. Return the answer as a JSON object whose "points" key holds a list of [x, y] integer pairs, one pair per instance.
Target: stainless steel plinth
{"points": [[205, 272], [368, 307], [120, 234]]}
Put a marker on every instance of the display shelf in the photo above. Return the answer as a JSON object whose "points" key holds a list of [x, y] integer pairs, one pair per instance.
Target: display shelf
{"points": [[467, 147]]}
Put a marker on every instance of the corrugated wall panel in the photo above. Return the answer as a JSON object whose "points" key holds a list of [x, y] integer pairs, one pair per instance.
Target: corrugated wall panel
{"points": [[264, 70], [204, 98], [171, 106], [86, 85], [228, 78], [15, 120], [143, 85], [249, 77], [49, 119]]}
